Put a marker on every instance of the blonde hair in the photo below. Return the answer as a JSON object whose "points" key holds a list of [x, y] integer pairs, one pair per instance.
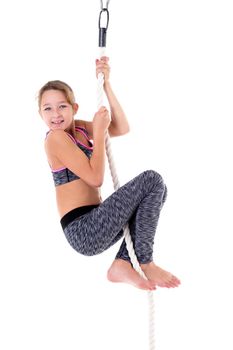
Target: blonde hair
{"points": [[60, 86]]}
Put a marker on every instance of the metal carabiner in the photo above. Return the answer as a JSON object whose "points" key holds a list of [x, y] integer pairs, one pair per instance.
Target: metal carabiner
{"points": [[103, 26], [104, 18]]}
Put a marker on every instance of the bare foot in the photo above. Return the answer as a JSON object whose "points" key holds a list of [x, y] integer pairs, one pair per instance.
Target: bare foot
{"points": [[122, 271], [159, 276]]}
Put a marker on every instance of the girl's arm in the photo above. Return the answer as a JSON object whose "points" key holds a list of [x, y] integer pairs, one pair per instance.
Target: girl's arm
{"points": [[119, 124]]}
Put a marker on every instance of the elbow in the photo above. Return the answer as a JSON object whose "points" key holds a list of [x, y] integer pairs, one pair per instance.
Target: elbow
{"points": [[126, 130], [97, 182]]}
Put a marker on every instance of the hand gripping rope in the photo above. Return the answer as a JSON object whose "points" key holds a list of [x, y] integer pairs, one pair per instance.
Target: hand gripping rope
{"points": [[103, 26]]}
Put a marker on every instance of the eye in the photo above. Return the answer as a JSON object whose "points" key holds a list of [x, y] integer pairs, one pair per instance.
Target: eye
{"points": [[63, 106], [47, 109]]}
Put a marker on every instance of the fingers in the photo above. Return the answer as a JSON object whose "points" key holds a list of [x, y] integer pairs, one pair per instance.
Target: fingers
{"points": [[103, 111], [103, 59], [101, 119], [102, 66]]}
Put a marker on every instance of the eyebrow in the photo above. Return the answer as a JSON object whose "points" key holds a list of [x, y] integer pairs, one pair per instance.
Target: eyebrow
{"points": [[48, 104]]}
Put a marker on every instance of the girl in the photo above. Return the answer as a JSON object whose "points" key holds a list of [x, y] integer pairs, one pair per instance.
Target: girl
{"points": [[90, 224]]}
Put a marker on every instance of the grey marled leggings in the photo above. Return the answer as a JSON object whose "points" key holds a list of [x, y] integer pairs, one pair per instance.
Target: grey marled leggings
{"points": [[138, 202]]}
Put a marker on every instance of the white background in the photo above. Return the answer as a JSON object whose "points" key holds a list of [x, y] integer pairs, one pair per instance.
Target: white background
{"points": [[172, 71]]}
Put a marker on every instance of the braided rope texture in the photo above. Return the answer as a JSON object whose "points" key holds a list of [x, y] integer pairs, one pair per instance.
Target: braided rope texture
{"points": [[116, 185]]}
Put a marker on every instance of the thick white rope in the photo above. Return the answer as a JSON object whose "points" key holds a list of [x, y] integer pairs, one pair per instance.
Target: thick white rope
{"points": [[116, 184]]}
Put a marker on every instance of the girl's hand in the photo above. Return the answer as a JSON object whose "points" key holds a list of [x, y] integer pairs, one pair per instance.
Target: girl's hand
{"points": [[101, 120], [102, 66]]}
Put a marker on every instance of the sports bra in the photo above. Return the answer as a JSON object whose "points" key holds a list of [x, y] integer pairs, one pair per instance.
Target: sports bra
{"points": [[64, 175]]}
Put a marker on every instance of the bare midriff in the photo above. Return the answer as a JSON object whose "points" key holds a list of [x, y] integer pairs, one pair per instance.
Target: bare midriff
{"points": [[76, 194]]}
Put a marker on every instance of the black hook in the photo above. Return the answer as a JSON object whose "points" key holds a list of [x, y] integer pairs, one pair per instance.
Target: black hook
{"points": [[103, 28]]}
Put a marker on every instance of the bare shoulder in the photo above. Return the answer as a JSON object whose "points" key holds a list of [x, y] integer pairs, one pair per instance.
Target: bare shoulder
{"points": [[55, 138]]}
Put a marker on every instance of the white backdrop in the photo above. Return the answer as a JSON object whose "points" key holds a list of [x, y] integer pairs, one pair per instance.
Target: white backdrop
{"points": [[172, 71]]}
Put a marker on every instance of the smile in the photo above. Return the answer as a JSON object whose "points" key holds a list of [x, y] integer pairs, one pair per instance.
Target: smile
{"points": [[58, 122]]}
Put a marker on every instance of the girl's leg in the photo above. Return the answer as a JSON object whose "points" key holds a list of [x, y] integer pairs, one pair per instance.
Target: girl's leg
{"points": [[144, 222], [138, 202]]}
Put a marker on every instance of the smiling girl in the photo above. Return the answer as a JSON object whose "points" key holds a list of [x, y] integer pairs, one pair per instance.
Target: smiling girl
{"points": [[76, 153]]}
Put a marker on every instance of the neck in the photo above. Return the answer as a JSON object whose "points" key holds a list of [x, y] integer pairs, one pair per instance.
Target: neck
{"points": [[71, 129]]}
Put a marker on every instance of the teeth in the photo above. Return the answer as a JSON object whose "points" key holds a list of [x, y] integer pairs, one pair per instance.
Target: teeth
{"points": [[61, 121]]}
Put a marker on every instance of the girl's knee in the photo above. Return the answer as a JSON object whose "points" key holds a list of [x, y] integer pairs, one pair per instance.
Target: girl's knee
{"points": [[154, 177]]}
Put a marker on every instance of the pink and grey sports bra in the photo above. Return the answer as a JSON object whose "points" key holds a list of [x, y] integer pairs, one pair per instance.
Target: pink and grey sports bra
{"points": [[64, 175]]}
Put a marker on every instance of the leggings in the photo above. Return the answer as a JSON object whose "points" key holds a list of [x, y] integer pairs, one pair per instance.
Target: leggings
{"points": [[137, 203]]}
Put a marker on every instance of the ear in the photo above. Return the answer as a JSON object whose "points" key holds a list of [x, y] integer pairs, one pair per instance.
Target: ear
{"points": [[75, 108]]}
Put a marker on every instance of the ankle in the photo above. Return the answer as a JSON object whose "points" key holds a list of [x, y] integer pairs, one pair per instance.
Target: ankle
{"points": [[145, 266]]}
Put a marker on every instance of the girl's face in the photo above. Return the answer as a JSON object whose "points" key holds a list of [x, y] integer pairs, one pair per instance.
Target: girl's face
{"points": [[56, 112]]}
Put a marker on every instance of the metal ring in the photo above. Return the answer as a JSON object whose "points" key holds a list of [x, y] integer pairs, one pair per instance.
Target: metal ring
{"points": [[102, 11]]}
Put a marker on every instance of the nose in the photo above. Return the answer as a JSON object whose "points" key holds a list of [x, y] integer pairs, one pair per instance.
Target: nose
{"points": [[56, 113]]}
